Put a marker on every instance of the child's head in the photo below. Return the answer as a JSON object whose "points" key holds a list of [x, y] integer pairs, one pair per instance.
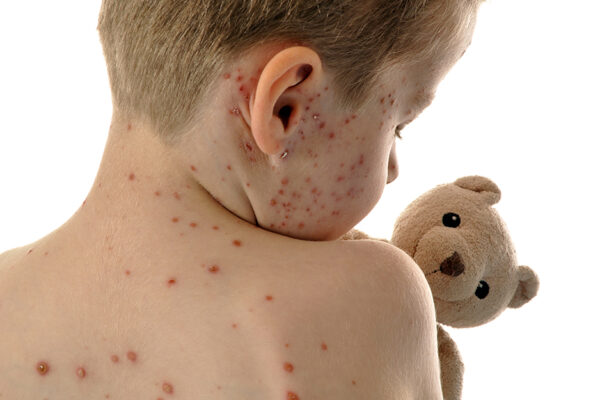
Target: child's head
{"points": [[162, 56], [314, 87]]}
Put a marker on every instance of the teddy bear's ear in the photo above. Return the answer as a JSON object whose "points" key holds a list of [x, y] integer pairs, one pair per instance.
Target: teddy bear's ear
{"points": [[527, 288], [482, 185]]}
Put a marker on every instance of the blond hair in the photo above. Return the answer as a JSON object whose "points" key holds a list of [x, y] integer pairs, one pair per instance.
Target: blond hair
{"points": [[163, 55]]}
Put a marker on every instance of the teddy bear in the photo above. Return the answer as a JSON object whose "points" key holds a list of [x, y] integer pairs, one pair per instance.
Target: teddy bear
{"points": [[465, 252]]}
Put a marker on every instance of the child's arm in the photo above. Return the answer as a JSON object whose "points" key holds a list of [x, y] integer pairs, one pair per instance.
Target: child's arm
{"points": [[408, 348]]}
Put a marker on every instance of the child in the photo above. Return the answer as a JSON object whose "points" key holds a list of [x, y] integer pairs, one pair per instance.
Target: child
{"points": [[246, 137]]}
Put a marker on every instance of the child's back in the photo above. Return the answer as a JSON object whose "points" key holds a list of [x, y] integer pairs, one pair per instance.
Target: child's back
{"points": [[269, 319], [202, 263]]}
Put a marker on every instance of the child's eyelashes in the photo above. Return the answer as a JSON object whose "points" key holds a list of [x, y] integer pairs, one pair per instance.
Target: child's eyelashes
{"points": [[398, 131]]}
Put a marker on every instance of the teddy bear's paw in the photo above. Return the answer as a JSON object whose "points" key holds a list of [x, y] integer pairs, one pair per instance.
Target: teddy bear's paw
{"points": [[355, 234], [451, 366]]}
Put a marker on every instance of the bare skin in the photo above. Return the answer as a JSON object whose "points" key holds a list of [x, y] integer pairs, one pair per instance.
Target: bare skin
{"points": [[208, 269]]}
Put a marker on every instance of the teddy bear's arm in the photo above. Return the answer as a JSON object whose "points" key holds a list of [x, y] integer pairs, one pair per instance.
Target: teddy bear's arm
{"points": [[355, 234], [451, 365]]}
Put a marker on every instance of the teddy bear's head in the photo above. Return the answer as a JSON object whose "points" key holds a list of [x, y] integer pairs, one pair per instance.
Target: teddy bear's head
{"points": [[460, 242]]}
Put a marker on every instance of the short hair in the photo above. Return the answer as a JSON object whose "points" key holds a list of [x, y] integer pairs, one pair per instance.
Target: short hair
{"points": [[163, 56]]}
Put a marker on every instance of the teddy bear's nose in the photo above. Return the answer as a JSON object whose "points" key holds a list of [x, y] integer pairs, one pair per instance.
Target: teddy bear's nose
{"points": [[453, 265]]}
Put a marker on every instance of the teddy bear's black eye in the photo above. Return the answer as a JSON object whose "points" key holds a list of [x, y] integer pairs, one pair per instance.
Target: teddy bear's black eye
{"points": [[482, 290], [451, 220]]}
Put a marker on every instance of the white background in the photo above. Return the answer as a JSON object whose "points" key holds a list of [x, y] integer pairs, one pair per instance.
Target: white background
{"points": [[521, 108]]}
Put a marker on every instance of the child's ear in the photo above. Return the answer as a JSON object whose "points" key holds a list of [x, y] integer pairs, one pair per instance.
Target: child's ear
{"points": [[277, 107]]}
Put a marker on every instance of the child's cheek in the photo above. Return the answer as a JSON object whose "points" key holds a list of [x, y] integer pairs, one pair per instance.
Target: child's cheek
{"points": [[336, 179], [318, 199]]}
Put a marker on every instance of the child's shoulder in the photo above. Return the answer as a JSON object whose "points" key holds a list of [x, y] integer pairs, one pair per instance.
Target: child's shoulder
{"points": [[8, 260]]}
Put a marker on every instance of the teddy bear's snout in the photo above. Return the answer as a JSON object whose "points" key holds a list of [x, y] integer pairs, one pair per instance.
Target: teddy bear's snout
{"points": [[453, 265]]}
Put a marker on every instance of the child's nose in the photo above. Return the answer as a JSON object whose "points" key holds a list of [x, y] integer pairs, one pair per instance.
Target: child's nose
{"points": [[392, 165]]}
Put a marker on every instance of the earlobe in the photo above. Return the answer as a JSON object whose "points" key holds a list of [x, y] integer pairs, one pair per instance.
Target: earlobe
{"points": [[274, 108]]}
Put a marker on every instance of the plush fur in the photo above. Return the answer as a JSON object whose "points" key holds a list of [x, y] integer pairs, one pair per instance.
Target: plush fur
{"points": [[463, 247]]}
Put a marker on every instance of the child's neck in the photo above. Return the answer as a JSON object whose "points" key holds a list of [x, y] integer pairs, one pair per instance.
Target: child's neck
{"points": [[144, 196]]}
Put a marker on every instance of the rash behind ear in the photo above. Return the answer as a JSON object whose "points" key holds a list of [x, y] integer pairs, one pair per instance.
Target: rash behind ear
{"points": [[275, 108]]}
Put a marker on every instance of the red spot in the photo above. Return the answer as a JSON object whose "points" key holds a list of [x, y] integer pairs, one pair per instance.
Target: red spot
{"points": [[42, 368], [171, 282], [307, 180], [177, 196], [239, 78], [193, 224], [292, 396], [326, 88], [175, 220], [114, 358], [129, 127], [46, 253], [81, 372], [229, 167], [354, 382], [234, 326], [213, 269], [301, 225], [285, 181], [127, 272], [288, 367], [227, 76], [167, 388], [322, 125], [340, 178], [362, 159], [287, 345], [347, 121], [193, 168], [216, 228], [281, 192], [353, 116], [392, 102], [323, 346], [132, 356], [247, 184], [242, 88], [382, 100], [269, 297], [237, 243], [307, 108], [273, 202], [249, 147], [131, 177], [331, 135], [157, 193]]}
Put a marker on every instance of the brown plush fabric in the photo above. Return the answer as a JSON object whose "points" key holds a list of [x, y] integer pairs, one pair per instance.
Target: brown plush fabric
{"points": [[463, 247], [452, 367]]}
